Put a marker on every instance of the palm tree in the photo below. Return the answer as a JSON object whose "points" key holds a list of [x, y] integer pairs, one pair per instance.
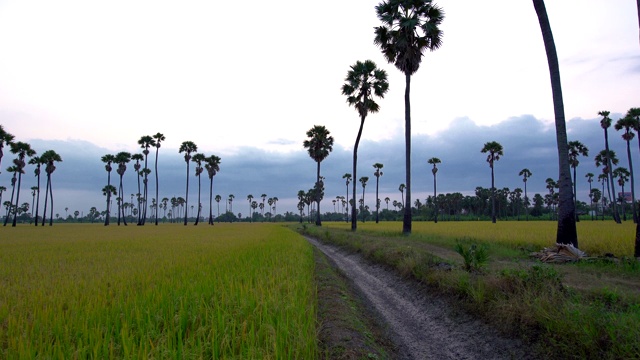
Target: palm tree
{"points": [[212, 164], [434, 161], [576, 148], [363, 180], [49, 158], [377, 174], [122, 158], [409, 27], [589, 177], [158, 139], [567, 233], [363, 81], [595, 196], [401, 189], [22, 150], [275, 201], [230, 199], [187, 147], [254, 206], [635, 113], [107, 191], [145, 143], [622, 174], [628, 123], [108, 160], [14, 179], [319, 144], [604, 179], [136, 167], [34, 190], [526, 174], [605, 123], [264, 197], [605, 158], [218, 198], [198, 158], [347, 176], [250, 199], [35, 160], [5, 139], [495, 152]]}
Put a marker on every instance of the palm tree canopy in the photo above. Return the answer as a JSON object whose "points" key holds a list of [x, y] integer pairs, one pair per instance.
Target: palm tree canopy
{"points": [[601, 158], [158, 138], [495, 151], [576, 148], [434, 161], [627, 123], [146, 142], [622, 174], [348, 177], [378, 167], [363, 180], [605, 122], [50, 157], [188, 147], [526, 173], [212, 164], [362, 82], [319, 144], [409, 27]]}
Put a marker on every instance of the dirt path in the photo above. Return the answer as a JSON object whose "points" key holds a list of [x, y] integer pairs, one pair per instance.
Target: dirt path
{"points": [[421, 326]]}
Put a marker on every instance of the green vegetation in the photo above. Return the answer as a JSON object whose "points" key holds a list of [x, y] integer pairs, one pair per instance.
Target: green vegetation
{"points": [[162, 292], [585, 310]]}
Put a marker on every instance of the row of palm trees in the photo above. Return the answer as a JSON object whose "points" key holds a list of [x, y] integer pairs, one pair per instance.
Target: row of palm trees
{"points": [[23, 150]]}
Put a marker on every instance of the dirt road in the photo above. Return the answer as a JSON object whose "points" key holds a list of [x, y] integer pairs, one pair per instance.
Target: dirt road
{"points": [[420, 325]]}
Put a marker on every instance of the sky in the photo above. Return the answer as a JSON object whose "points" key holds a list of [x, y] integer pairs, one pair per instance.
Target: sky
{"points": [[245, 81]]}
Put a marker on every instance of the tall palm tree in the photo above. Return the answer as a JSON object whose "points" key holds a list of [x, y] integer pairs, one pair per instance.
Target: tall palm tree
{"points": [[401, 189], [218, 198], [635, 113], [264, 197], [49, 158], [159, 138], [622, 174], [22, 150], [347, 176], [604, 179], [377, 174], [363, 180], [137, 169], [567, 233], [409, 27], [319, 144], [198, 158], [108, 160], [495, 152], [250, 198], [589, 177], [363, 81], [122, 158], [605, 123], [5, 139], [231, 197], [187, 147], [526, 174], [145, 143], [434, 161], [576, 148], [606, 159], [37, 161], [14, 179], [628, 123]]}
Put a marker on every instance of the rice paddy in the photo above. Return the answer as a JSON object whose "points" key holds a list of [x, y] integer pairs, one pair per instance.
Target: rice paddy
{"points": [[88, 291]]}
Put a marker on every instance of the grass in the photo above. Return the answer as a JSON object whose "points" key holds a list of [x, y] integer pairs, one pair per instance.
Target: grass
{"points": [[582, 311], [87, 291]]}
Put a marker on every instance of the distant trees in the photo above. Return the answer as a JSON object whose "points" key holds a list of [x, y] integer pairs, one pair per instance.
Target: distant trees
{"points": [[495, 152]]}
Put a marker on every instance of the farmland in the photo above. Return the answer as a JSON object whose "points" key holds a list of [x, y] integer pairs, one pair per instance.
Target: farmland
{"points": [[229, 291]]}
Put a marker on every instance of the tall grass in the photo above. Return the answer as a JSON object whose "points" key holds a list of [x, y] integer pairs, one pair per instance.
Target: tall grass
{"points": [[229, 291]]}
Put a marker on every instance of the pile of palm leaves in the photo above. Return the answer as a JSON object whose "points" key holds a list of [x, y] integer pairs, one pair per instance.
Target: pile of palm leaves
{"points": [[560, 253]]}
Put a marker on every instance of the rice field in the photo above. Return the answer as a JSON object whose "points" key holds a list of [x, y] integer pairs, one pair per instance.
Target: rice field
{"points": [[594, 237], [242, 291]]}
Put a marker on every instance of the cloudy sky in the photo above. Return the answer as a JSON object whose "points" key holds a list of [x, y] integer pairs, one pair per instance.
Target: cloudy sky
{"points": [[245, 81]]}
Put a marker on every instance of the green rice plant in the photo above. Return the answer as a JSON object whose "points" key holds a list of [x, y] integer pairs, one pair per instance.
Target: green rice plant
{"points": [[88, 291]]}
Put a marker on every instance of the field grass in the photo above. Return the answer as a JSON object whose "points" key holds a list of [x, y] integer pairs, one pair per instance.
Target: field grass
{"points": [[89, 291], [596, 238]]}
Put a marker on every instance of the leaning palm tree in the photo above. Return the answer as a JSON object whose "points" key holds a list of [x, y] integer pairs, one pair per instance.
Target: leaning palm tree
{"points": [[49, 158], [212, 164], [108, 160], [158, 139], [377, 174], [605, 123], [622, 174], [589, 177], [122, 158], [319, 144], [576, 148], [363, 81], [409, 27], [363, 180], [14, 179], [434, 161], [526, 174], [5, 139], [22, 150], [347, 176], [198, 158], [187, 147], [566, 233], [495, 152], [628, 123]]}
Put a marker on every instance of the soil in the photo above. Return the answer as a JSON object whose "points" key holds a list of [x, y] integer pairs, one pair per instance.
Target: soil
{"points": [[420, 325]]}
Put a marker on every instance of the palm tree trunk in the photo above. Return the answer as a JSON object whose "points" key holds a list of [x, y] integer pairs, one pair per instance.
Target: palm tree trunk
{"points": [[37, 200], [186, 197], [434, 199], [347, 213], [575, 195], [211, 201], [318, 220], [493, 196], [15, 212], [156, 173], [13, 192], [354, 224], [633, 192], [614, 202], [198, 216], [363, 203], [377, 202], [51, 195], [567, 233], [526, 206], [108, 215], [406, 221]]}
